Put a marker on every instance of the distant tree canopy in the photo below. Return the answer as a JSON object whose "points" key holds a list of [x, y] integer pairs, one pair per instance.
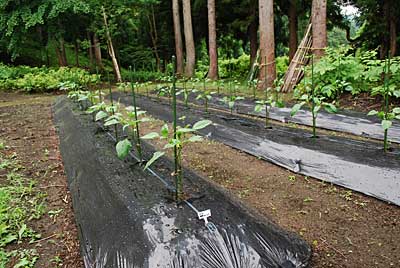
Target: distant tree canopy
{"points": [[142, 31]]}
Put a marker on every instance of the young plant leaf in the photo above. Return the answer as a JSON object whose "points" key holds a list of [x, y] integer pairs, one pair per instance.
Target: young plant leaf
{"points": [[330, 108], [195, 138], [101, 115], [373, 112], [111, 122], [201, 124], [156, 155], [386, 124], [150, 136], [296, 108], [164, 131], [123, 147]]}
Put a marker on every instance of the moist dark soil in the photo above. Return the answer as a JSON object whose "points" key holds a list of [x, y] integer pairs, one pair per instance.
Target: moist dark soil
{"points": [[345, 229], [27, 129]]}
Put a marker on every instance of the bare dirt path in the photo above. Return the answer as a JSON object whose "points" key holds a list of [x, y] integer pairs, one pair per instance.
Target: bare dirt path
{"points": [[26, 127]]}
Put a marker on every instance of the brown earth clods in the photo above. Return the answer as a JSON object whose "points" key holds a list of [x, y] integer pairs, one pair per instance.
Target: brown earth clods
{"points": [[27, 129]]}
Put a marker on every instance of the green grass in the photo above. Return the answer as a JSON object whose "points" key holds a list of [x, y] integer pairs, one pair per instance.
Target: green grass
{"points": [[20, 203]]}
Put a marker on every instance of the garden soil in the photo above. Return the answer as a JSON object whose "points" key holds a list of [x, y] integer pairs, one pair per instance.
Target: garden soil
{"points": [[358, 165], [127, 219], [27, 130]]}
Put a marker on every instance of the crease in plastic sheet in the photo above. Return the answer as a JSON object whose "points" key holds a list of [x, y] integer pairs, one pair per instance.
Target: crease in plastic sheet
{"points": [[126, 222], [344, 121], [369, 171]]}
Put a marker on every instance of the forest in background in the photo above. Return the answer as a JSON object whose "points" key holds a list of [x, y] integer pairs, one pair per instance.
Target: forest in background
{"points": [[140, 33]]}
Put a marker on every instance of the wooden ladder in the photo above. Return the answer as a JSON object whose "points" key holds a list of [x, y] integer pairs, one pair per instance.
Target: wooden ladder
{"points": [[295, 71]]}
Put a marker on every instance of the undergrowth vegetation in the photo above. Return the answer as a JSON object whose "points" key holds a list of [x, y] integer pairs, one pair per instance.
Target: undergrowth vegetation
{"points": [[20, 203], [342, 70], [43, 79]]}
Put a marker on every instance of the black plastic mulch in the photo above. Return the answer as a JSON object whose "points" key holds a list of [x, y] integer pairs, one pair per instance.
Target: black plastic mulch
{"points": [[358, 165], [347, 121], [126, 218]]}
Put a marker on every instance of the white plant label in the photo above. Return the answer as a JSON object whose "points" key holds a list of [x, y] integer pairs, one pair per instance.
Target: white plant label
{"points": [[203, 215]]}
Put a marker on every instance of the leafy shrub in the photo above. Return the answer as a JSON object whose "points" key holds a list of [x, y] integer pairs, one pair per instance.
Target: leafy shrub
{"points": [[44, 79], [340, 71], [142, 76]]}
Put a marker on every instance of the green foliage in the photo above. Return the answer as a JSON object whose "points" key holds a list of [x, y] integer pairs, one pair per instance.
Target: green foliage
{"points": [[142, 75], [44, 79], [179, 141], [341, 71], [20, 203], [387, 90], [231, 101], [312, 92]]}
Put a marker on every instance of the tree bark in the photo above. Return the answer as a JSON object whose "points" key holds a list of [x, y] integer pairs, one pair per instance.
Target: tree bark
{"points": [[90, 50], [212, 41], [76, 48], [178, 37], [393, 36], [111, 49], [154, 37], [319, 34], [292, 14], [252, 31], [189, 42], [392, 27], [97, 52], [60, 52], [267, 44]]}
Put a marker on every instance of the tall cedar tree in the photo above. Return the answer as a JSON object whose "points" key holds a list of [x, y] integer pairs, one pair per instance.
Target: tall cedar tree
{"points": [[212, 41], [189, 41], [178, 37], [319, 35], [267, 43]]}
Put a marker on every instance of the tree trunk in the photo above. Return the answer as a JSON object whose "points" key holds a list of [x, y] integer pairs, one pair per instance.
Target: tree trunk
{"points": [[212, 41], [292, 14], [393, 36], [111, 49], [154, 37], [90, 50], [252, 32], [97, 52], [267, 44], [60, 52], [319, 35], [189, 42], [76, 48], [178, 37], [385, 34], [59, 57], [391, 26]]}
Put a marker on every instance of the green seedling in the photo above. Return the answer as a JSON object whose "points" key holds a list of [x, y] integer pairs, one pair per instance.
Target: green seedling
{"points": [[231, 101], [185, 93], [270, 100], [252, 84], [388, 114], [310, 94], [177, 139], [163, 91], [205, 96], [181, 139], [123, 87], [133, 123]]}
